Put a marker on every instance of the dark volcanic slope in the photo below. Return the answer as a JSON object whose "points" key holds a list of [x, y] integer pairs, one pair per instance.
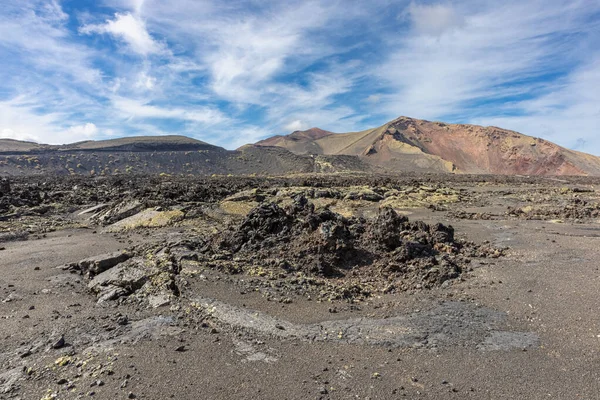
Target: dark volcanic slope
{"points": [[160, 155], [299, 142], [137, 143], [419, 145]]}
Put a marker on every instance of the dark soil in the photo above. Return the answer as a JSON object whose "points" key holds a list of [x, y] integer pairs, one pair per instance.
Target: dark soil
{"points": [[320, 286]]}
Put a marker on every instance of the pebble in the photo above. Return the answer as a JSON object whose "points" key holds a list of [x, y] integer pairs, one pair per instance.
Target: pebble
{"points": [[26, 353], [59, 343]]}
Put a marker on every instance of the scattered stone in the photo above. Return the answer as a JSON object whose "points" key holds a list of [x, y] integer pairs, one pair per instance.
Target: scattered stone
{"points": [[25, 353], [94, 209], [122, 210], [59, 343], [161, 300], [95, 265]]}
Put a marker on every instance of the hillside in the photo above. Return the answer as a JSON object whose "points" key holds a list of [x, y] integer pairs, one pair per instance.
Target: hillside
{"points": [[402, 145], [18, 146], [408, 144], [299, 142], [173, 155]]}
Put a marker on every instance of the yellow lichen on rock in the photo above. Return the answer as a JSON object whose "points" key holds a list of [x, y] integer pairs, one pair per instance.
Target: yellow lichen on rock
{"points": [[149, 218], [237, 207]]}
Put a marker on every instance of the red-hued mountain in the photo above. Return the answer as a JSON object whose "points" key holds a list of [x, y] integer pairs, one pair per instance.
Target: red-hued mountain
{"points": [[408, 144]]}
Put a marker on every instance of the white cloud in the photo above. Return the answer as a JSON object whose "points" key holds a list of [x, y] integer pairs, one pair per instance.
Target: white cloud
{"points": [[250, 69], [145, 81], [131, 30], [243, 52], [137, 5], [52, 10], [88, 130], [568, 115], [39, 41], [296, 125], [498, 52], [19, 119], [374, 98], [233, 139], [7, 133], [435, 19], [130, 108]]}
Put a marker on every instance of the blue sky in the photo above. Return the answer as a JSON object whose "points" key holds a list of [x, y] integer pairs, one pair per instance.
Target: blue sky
{"points": [[233, 72]]}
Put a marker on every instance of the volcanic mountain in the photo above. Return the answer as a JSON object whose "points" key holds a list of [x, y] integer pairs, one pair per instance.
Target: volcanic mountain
{"points": [[162, 155], [407, 144], [402, 145]]}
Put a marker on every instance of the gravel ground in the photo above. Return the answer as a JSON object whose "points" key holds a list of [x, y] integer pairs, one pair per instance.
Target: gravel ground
{"points": [[519, 326]]}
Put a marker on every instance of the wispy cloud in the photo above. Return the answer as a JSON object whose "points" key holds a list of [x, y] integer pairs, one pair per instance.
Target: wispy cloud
{"points": [[129, 108], [129, 29], [495, 54], [234, 72], [568, 113], [21, 121], [434, 19]]}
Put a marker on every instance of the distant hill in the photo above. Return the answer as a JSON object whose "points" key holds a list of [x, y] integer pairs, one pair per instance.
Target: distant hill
{"points": [[299, 142], [408, 144], [11, 146], [135, 143], [402, 145], [161, 155]]}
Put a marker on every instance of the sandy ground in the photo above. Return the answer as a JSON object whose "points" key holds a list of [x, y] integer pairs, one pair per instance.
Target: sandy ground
{"points": [[523, 326]]}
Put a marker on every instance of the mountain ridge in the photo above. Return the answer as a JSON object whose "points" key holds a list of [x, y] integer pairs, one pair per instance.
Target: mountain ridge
{"points": [[130, 143], [402, 145], [171, 155], [408, 144]]}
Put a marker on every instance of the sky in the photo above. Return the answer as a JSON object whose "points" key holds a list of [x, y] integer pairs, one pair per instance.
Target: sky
{"points": [[237, 71]]}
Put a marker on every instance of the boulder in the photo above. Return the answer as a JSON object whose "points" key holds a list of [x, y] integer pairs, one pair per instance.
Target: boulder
{"points": [[121, 211], [98, 264], [121, 280]]}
